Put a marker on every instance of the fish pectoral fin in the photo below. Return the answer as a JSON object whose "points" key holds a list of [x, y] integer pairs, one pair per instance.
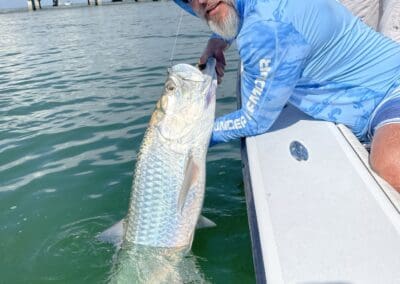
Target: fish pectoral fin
{"points": [[114, 234], [190, 179], [204, 222]]}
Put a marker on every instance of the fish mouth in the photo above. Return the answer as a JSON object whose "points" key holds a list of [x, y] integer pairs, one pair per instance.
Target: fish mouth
{"points": [[208, 69], [198, 73], [186, 72]]}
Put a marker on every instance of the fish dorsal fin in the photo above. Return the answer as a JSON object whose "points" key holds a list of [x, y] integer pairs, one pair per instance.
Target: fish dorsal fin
{"points": [[114, 234], [204, 222], [191, 177]]}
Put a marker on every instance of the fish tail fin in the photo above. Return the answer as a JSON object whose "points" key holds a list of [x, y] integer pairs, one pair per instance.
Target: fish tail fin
{"points": [[114, 234], [204, 222]]}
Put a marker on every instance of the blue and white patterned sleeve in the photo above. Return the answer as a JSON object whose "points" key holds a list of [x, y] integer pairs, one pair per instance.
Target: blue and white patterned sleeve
{"points": [[273, 56]]}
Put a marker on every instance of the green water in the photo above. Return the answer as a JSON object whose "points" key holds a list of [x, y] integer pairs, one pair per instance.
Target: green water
{"points": [[77, 88]]}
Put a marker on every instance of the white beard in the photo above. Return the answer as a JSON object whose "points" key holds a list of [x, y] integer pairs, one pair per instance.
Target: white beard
{"points": [[228, 28]]}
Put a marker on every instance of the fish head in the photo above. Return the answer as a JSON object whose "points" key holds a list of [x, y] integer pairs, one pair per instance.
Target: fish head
{"points": [[185, 112]]}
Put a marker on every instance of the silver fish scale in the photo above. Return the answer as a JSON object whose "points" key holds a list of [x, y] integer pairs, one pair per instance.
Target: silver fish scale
{"points": [[155, 217]]}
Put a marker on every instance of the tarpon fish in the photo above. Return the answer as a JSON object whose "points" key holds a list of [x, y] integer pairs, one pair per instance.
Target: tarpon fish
{"points": [[169, 179]]}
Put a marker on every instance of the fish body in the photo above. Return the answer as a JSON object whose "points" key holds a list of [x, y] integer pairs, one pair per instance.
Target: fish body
{"points": [[169, 180]]}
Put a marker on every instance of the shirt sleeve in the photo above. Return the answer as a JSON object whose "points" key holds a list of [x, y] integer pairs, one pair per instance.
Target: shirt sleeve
{"points": [[273, 56]]}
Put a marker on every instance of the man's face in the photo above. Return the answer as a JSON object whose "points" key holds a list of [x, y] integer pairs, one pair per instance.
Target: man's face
{"points": [[220, 15]]}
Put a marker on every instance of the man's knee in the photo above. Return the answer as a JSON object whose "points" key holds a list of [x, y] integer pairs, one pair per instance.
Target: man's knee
{"points": [[385, 153]]}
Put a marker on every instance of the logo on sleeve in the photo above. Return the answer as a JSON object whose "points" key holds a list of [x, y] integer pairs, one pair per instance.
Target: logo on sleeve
{"points": [[259, 85]]}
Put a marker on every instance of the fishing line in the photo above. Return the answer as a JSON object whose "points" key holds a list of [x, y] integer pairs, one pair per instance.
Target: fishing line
{"points": [[176, 37]]}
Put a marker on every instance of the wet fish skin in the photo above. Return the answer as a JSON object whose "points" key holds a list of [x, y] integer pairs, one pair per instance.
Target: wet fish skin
{"points": [[169, 179]]}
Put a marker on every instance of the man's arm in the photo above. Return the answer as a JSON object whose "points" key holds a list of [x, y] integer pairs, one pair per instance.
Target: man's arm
{"points": [[272, 55]]}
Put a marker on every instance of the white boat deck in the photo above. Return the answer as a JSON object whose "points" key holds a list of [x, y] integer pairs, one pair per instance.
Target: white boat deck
{"points": [[320, 215]]}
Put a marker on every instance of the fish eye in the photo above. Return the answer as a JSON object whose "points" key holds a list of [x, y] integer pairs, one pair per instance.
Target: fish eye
{"points": [[169, 86]]}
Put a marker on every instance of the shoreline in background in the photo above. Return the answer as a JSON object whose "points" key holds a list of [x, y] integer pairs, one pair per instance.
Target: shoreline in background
{"points": [[71, 6]]}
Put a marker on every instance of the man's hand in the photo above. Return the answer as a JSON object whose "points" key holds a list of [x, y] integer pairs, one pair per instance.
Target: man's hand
{"points": [[215, 48]]}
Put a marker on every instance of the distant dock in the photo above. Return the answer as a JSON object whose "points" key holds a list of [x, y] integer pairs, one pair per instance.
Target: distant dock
{"points": [[34, 5]]}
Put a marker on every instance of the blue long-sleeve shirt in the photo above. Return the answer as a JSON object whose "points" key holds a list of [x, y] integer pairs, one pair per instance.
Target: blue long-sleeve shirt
{"points": [[313, 54]]}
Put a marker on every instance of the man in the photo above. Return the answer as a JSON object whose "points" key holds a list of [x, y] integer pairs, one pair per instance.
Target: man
{"points": [[315, 55]]}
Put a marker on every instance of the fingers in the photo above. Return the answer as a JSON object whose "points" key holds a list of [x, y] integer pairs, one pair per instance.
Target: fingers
{"points": [[204, 57], [220, 57], [220, 69], [220, 65], [201, 66], [215, 48]]}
